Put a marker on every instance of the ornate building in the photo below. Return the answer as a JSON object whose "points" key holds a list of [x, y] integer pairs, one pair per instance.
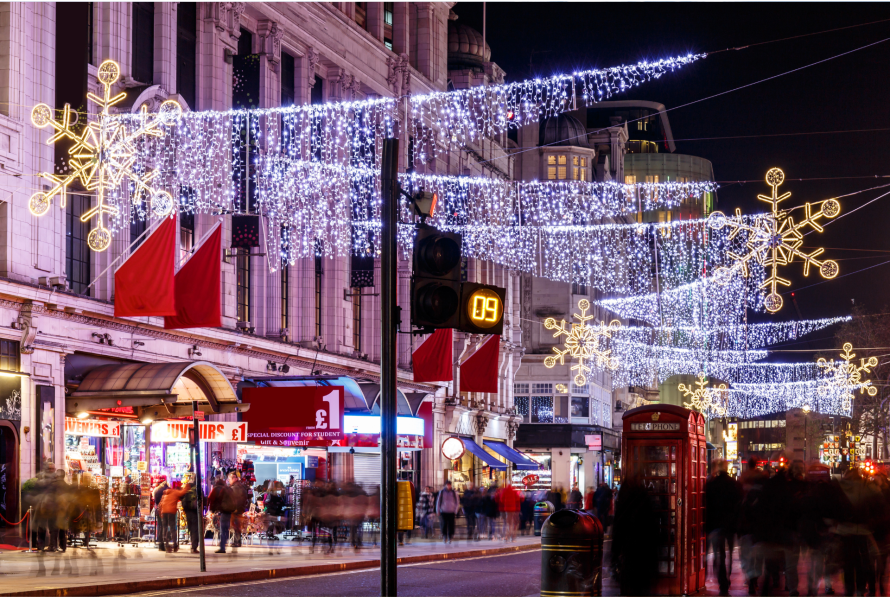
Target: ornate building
{"points": [[310, 318]]}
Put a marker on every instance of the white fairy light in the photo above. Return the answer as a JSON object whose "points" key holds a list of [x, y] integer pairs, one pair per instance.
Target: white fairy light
{"points": [[443, 120]]}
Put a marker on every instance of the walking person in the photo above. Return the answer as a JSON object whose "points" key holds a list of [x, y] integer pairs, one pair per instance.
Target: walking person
{"points": [[447, 506], [602, 497], [157, 494], [242, 503], [470, 502], [576, 500], [167, 509], [424, 510], [222, 501], [508, 504], [190, 507], [723, 497]]}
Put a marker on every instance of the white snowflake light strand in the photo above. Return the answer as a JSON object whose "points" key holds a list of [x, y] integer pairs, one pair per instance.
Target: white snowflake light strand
{"points": [[443, 120], [584, 343], [759, 399], [845, 376], [709, 401]]}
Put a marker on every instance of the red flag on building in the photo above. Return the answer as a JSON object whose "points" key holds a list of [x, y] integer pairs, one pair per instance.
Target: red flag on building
{"points": [[143, 285], [198, 288], [479, 373], [432, 359]]}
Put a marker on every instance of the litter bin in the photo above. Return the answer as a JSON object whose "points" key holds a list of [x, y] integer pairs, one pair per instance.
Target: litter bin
{"points": [[571, 554], [542, 511]]}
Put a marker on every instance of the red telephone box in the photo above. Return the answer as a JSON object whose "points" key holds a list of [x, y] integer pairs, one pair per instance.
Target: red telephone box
{"points": [[666, 446]]}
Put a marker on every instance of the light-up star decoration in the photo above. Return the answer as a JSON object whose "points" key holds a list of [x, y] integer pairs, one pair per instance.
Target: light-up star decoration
{"points": [[709, 401], [102, 157], [775, 240], [845, 376], [582, 343]]}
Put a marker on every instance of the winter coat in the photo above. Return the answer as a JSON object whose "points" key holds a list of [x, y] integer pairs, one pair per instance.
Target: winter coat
{"points": [[170, 499], [221, 499], [448, 502]]}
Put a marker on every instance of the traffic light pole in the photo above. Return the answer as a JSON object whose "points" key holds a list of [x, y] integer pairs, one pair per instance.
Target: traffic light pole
{"points": [[388, 300]]}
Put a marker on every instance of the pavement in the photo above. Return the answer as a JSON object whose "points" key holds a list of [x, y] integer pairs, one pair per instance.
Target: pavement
{"points": [[111, 569]]}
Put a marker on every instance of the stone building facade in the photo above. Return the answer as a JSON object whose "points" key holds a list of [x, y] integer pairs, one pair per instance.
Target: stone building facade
{"points": [[56, 297]]}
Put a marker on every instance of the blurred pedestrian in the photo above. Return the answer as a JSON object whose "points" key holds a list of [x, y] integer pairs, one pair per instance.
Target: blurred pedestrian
{"points": [[602, 498], [190, 507], [749, 555], [723, 497], [490, 509], [424, 510], [447, 506], [222, 501], [575, 500], [589, 503], [169, 516], [508, 505], [470, 502], [635, 539], [157, 494], [241, 503], [859, 510]]}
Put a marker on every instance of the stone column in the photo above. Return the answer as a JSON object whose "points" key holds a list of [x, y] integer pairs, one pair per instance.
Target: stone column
{"points": [[165, 46], [375, 20], [400, 28]]}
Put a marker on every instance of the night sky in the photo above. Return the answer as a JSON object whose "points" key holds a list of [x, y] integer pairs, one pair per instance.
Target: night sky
{"points": [[845, 94]]}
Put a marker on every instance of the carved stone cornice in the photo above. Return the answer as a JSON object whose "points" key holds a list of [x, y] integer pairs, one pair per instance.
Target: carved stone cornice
{"points": [[270, 34]]}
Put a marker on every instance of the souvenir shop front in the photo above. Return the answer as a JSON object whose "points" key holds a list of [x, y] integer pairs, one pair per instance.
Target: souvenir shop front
{"points": [[492, 463], [129, 425]]}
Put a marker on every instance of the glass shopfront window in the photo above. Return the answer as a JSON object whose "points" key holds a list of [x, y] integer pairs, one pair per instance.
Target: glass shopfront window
{"points": [[544, 474]]}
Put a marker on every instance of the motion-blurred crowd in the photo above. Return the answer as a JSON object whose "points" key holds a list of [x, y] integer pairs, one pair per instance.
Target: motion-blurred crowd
{"points": [[796, 528]]}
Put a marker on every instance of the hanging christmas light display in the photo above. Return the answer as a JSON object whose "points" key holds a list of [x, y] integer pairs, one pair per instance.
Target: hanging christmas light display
{"points": [[584, 343], [775, 240], [443, 120], [709, 401], [103, 156], [846, 376]]}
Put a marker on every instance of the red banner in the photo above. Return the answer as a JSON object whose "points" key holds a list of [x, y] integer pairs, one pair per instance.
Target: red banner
{"points": [[296, 416]]}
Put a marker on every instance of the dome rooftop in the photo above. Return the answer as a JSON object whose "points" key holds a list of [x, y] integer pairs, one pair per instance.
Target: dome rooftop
{"points": [[465, 46], [563, 131]]}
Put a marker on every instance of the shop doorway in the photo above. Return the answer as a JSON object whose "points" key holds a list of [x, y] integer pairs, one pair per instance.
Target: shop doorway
{"points": [[9, 473]]}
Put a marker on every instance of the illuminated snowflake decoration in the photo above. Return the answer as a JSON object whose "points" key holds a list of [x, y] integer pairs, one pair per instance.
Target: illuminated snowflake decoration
{"points": [[774, 240], [584, 343], [845, 376], [709, 401], [102, 157]]}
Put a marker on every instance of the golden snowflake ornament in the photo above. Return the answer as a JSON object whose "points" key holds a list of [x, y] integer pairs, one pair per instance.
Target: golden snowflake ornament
{"points": [[709, 401], [585, 343], [774, 240], [846, 376], [102, 157]]}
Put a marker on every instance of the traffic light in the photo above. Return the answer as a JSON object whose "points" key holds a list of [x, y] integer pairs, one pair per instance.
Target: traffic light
{"points": [[439, 299], [435, 284], [482, 308]]}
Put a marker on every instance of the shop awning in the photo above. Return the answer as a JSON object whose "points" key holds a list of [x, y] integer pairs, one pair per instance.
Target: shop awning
{"points": [[170, 386], [353, 393], [480, 453], [520, 461]]}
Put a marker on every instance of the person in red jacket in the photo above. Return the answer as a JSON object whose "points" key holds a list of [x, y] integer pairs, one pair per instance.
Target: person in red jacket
{"points": [[167, 509], [509, 500]]}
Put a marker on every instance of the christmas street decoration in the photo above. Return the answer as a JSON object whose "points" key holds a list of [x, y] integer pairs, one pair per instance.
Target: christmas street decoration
{"points": [[103, 156], [847, 376], [775, 240], [709, 401], [582, 343]]}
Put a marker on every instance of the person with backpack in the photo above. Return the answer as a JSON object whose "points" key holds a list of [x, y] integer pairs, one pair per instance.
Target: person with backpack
{"points": [[222, 500], [190, 507]]}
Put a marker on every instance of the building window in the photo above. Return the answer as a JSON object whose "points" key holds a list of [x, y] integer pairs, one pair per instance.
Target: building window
{"points": [[77, 253], [561, 173], [137, 229], [287, 79], [630, 179], [551, 159], [143, 41], [541, 409], [357, 319], [561, 160], [583, 162], [551, 173], [520, 388], [186, 57], [388, 10], [521, 404], [285, 297], [242, 266], [319, 279], [9, 355], [361, 14], [575, 160], [580, 407], [575, 174], [186, 235], [583, 174]]}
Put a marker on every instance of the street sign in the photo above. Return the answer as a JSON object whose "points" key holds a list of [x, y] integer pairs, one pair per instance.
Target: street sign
{"points": [[199, 415], [283, 416]]}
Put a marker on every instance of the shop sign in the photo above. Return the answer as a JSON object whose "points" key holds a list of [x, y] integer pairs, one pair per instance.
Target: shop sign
{"points": [[594, 442], [115, 471], [92, 428], [199, 415], [530, 480], [141, 466], [211, 431], [295, 416], [453, 448]]}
